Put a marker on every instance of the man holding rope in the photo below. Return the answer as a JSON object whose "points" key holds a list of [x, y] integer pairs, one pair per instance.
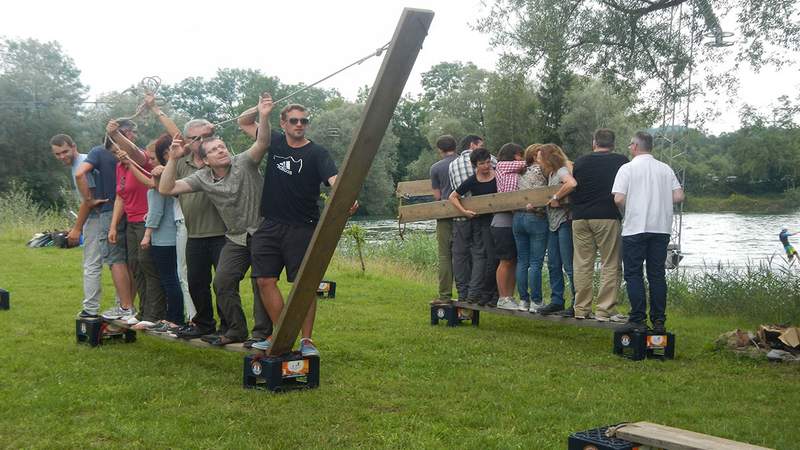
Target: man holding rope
{"points": [[232, 185]]}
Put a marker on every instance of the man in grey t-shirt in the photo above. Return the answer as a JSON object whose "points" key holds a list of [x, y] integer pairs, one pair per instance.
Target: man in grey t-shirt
{"points": [[440, 184], [234, 187]]}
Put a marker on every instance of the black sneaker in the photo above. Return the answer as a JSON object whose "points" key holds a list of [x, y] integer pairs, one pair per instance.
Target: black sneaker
{"points": [[659, 328], [633, 327], [87, 315], [191, 332], [210, 337], [550, 308], [569, 312]]}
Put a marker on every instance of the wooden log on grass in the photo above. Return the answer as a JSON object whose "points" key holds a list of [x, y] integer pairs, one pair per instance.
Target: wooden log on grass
{"points": [[661, 436]]}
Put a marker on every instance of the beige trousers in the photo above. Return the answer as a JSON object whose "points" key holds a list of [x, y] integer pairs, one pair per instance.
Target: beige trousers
{"points": [[590, 236]]}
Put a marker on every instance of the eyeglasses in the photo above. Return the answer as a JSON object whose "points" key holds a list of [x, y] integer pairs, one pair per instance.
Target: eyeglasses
{"points": [[294, 120], [193, 139]]}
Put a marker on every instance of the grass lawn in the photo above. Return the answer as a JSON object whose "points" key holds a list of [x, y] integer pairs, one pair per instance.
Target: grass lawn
{"points": [[388, 378]]}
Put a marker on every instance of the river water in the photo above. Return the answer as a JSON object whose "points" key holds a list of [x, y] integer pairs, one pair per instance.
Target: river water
{"points": [[707, 239]]}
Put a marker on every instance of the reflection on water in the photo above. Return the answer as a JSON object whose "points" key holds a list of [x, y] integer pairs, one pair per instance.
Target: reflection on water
{"points": [[708, 238]]}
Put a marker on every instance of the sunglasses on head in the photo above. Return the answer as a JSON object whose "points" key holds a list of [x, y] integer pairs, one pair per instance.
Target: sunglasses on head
{"points": [[294, 120]]}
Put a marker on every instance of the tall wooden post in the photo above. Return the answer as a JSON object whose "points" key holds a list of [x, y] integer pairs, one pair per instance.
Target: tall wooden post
{"points": [[397, 64]]}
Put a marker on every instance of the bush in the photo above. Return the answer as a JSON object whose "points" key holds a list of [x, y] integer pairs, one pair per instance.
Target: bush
{"points": [[21, 216]]}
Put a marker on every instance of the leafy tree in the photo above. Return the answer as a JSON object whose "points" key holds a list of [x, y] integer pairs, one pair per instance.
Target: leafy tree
{"points": [[41, 93], [408, 124], [376, 197], [629, 42]]}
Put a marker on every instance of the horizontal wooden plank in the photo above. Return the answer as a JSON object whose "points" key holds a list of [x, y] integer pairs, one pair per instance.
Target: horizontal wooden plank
{"points": [[589, 323], [482, 204], [418, 188], [661, 436], [237, 347]]}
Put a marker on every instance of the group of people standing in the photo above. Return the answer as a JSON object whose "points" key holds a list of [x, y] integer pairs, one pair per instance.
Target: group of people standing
{"points": [[186, 217], [604, 204]]}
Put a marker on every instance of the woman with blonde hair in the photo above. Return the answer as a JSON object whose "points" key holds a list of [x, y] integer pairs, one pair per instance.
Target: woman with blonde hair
{"points": [[556, 167], [530, 228]]}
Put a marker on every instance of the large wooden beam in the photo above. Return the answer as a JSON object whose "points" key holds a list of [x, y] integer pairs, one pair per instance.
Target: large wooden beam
{"points": [[481, 204], [418, 188], [397, 64], [661, 436]]}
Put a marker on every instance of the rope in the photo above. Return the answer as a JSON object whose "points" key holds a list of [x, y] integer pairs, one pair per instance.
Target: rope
{"points": [[377, 52], [137, 166]]}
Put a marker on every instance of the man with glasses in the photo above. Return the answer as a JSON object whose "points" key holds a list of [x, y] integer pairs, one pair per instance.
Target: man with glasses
{"points": [[232, 185], [645, 190], [296, 167]]}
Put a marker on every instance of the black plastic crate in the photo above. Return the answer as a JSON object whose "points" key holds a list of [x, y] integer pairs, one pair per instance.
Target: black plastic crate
{"points": [[596, 439]]}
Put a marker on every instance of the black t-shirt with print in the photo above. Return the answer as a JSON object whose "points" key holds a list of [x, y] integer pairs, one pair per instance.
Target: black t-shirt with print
{"points": [[292, 181], [476, 187]]}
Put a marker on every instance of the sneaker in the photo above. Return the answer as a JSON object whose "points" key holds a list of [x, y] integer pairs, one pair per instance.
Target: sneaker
{"points": [[659, 328], [143, 325], [263, 345], [114, 313], [191, 332], [568, 312], [637, 327], [523, 305], [550, 308], [129, 316], [307, 348], [616, 318], [84, 314], [507, 303], [535, 307], [161, 327]]}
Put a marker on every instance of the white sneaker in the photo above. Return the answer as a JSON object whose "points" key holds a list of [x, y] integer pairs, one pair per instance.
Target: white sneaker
{"points": [[114, 313], [507, 303], [143, 325], [534, 307], [618, 318], [129, 316], [523, 305]]}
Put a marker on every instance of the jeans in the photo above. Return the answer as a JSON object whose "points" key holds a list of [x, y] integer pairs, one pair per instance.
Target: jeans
{"points": [[166, 261], [201, 255], [530, 234], [559, 258], [181, 238], [650, 249]]}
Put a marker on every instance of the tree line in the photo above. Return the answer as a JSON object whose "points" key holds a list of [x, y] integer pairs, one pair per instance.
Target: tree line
{"points": [[41, 94]]}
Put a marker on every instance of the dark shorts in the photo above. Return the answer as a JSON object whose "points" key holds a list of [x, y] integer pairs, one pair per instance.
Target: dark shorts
{"points": [[275, 246], [504, 245]]}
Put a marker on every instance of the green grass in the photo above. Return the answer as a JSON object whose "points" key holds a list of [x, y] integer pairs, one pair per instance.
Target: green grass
{"points": [[388, 378]]}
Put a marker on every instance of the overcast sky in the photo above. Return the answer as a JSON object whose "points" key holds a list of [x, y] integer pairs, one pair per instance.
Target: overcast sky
{"points": [[297, 41]]}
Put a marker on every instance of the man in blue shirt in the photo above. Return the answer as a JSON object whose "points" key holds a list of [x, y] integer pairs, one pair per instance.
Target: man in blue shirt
{"points": [[101, 165]]}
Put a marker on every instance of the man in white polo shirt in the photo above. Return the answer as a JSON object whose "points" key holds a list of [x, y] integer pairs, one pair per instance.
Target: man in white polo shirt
{"points": [[645, 190]]}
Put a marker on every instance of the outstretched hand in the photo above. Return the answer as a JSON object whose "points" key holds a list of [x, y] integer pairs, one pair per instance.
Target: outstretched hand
{"points": [[265, 104], [177, 150], [150, 102]]}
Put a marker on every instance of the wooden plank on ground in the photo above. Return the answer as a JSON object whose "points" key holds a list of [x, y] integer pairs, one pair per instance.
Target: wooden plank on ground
{"points": [[590, 323], [481, 204], [191, 342], [661, 436], [417, 188], [384, 95]]}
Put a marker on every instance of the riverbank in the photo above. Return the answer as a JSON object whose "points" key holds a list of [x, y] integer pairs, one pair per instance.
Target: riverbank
{"points": [[389, 379], [745, 204]]}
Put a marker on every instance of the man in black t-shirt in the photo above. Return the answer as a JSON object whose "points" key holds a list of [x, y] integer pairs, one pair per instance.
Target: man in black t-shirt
{"points": [[596, 227], [295, 169]]}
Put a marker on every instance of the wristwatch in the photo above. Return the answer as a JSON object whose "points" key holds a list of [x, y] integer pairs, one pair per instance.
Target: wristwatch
{"points": [[555, 197]]}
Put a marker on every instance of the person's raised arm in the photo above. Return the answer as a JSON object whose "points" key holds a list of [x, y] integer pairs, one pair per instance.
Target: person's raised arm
{"points": [[136, 155], [568, 184], [257, 151], [169, 125], [144, 179], [82, 182], [247, 121], [168, 185]]}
